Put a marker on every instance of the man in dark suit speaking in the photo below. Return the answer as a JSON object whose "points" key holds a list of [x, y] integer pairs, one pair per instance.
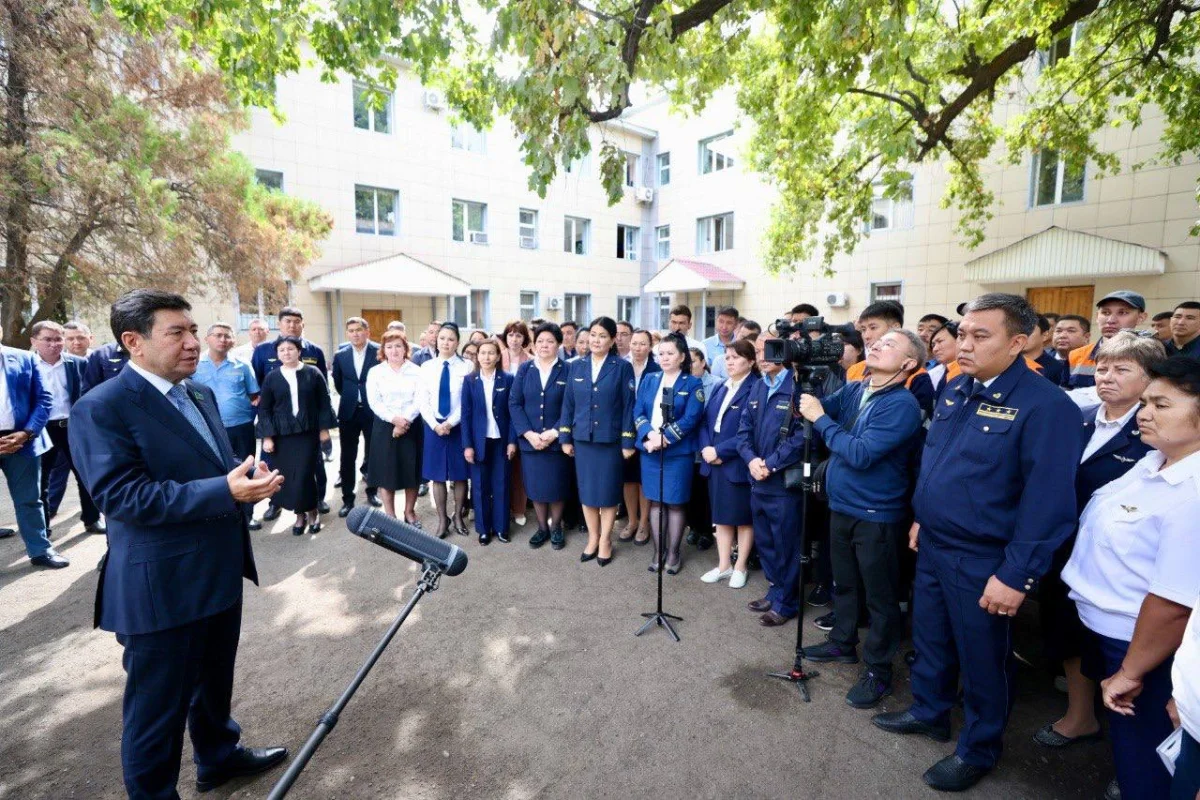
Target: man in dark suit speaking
{"points": [[152, 451]]}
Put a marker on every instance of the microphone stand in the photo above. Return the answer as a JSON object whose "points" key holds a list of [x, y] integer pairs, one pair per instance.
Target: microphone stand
{"points": [[428, 583], [658, 616], [798, 674]]}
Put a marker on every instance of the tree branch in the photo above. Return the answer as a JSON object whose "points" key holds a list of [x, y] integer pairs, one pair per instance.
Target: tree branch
{"points": [[695, 15]]}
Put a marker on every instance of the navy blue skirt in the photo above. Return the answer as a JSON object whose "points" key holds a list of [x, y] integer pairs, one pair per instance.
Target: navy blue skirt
{"points": [[442, 456], [547, 475], [677, 480], [598, 467], [730, 501]]}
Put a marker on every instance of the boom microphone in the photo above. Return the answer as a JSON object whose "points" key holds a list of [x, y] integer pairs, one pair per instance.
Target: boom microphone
{"points": [[407, 540]]}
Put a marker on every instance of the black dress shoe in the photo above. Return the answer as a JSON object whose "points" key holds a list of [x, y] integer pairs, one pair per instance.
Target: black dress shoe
{"points": [[586, 557], [315, 527], [244, 761], [759, 606], [7, 532], [952, 774], [298, 530], [272, 513], [773, 620], [254, 525], [323, 507], [50, 559], [904, 722], [558, 539], [502, 536], [95, 527], [485, 539], [540, 538], [344, 511], [374, 502]]}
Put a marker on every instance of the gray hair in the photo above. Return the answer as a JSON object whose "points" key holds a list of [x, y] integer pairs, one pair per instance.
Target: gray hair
{"points": [[1145, 351], [397, 325], [916, 347], [216, 325], [1019, 316]]}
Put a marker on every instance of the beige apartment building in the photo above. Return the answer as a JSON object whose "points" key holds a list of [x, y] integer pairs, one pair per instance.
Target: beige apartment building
{"points": [[436, 221]]}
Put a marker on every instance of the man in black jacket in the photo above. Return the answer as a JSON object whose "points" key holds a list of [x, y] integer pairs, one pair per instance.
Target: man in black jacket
{"points": [[350, 367]]}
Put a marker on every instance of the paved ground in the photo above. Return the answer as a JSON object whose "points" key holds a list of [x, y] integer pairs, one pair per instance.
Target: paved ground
{"points": [[521, 678]]}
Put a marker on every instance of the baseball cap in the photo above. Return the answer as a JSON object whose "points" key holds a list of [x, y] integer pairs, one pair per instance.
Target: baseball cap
{"points": [[1125, 296], [961, 309]]}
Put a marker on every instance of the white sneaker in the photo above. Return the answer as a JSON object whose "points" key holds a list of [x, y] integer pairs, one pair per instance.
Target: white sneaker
{"points": [[519, 520], [738, 579], [716, 574]]}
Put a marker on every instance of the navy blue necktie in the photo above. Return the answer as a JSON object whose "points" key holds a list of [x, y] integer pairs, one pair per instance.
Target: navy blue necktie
{"points": [[444, 391], [179, 399]]}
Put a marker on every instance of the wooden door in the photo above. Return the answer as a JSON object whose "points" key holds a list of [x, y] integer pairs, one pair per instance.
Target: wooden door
{"points": [[378, 319], [1062, 299]]}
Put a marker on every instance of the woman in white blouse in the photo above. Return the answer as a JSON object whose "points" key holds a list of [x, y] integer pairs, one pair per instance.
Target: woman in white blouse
{"points": [[393, 393], [1134, 575], [442, 458]]}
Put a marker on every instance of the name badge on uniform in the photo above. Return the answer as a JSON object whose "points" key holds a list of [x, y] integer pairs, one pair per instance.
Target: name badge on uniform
{"points": [[309, 360], [783, 407], [997, 412]]}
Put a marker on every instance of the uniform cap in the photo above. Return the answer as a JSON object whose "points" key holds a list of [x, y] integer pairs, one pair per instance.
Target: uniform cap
{"points": [[1125, 296]]}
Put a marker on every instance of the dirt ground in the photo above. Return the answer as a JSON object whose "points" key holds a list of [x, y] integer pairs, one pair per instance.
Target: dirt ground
{"points": [[520, 678]]}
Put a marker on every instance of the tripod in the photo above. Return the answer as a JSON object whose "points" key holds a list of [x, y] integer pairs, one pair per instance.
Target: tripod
{"points": [[659, 617], [428, 583], [804, 379]]}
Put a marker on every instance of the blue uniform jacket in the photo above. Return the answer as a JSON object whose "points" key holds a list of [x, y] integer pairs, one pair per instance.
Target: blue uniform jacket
{"points": [[350, 386], [1052, 368], [683, 435], [732, 466], [474, 412], [534, 408], [1114, 459], [600, 413], [178, 545], [75, 368], [995, 475], [264, 361], [30, 400], [759, 429], [869, 475], [104, 363]]}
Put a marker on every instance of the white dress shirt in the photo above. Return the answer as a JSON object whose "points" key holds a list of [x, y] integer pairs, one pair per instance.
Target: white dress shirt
{"points": [[431, 380], [1185, 676], [162, 384], [395, 393], [1137, 536], [289, 375], [544, 372], [1105, 430], [54, 379], [656, 416], [596, 367], [731, 387], [7, 419], [360, 358], [489, 384], [638, 372]]}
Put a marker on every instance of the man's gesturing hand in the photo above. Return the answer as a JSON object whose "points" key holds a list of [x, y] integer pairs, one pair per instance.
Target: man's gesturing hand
{"points": [[246, 488]]}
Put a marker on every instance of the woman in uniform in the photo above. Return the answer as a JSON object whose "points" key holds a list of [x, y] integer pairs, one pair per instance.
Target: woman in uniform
{"points": [[393, 394], [441, 408], [536, 405], [669, 446], [488, 443], [597, 429], [517, 352], [636, 504]]}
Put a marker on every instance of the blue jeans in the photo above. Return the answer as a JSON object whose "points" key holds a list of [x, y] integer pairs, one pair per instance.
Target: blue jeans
{"points": [[24, 478], [1186, 783]]}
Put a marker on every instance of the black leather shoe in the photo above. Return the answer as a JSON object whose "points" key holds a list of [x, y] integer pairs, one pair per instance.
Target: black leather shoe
{"points": [[374, 502], [904, 722], [323, 507], [586, 557], [272, 513], [254, 525], [540, 538], [502, 536], [244, 761], [50, 559], [95, 527], [7, 532], [344, 511], [298, 530], [759, 606], [558, 540], [952, 774], [485, 539]]}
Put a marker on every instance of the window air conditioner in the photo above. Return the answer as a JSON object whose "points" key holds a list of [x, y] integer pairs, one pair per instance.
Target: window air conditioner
{"points": [[837, 300], [644, 194], [478, 238], [529, 242]]}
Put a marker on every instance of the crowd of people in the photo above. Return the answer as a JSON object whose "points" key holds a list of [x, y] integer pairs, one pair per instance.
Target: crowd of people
{"points": [[967, 464]]}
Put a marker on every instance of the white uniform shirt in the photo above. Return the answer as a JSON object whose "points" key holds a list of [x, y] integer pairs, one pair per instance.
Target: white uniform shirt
{"points": [[656, 416], [289, 375], [7, 419], [1137, 536], [54, 380], [1185, 676], [431, 381], [1105, 431], [489, 385], [731, 387], [395, 393], [596, 367], [360, 358], [544, 372]]}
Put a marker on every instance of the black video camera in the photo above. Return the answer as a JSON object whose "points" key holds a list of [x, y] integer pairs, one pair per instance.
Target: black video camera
{"points": [[803, 351]]}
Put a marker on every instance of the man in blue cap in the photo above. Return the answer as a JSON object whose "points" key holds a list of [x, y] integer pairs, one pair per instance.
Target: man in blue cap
{"points": [[1121, 310]]}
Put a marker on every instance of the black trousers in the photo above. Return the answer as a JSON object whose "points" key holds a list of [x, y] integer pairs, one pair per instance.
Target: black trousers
{"points": [[241, 439], [872, 550], [88, 513], [359, 424]]}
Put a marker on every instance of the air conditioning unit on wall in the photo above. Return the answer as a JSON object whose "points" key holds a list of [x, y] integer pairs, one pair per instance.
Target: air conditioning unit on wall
{"points": [[434, 100], [837, 299], [644, 194], [478, 238], [554, 303]]}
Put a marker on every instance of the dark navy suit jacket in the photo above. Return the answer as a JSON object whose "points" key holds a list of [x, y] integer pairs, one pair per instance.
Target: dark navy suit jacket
{"points": [[264, 361], [352, 387], [759, 434], [75, 369], [600, 412], [474, 412], [102, 364], [178, 545], [732, 467], [29, 399], [1111, 461], [534, 408], [687, 408]]}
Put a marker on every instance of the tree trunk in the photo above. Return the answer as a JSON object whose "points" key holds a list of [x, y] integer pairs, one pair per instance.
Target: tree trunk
{"points": [[14, 285]]}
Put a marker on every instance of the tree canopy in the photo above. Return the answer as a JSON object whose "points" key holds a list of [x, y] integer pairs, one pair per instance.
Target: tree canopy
{"points": [[845, 95], [116, 171]]}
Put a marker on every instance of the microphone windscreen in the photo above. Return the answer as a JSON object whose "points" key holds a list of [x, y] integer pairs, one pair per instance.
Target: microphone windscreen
{"points": [[406, 540]]}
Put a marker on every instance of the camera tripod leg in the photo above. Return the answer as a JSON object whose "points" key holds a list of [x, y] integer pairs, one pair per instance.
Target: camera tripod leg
{"points": [[799, 676], [661, 619]]}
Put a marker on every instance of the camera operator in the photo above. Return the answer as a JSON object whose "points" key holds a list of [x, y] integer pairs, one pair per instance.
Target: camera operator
{"points": [[871, 429]]}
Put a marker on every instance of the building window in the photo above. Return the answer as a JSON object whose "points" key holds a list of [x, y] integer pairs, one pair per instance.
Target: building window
{"points": [[664, 312], [272, 179], [528, 305], [715, 153], [627, 310], [527, 229], [714, 234], [376, 210], [1055, 180], [1061, 48], [664, 169], [366, 116], [632, 166], [887, 291], [458, 310], [627, 242], [577, 307], [662, 242], [480, 312], [467, 137], [888, 213], [469, 222], [576, 235]]}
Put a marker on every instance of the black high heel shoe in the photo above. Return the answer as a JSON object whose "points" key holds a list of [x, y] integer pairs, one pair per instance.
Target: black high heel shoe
{"points": [[315, 527], [298, 530], [604, 562], [460, 526], [443, 528], [586, 557]]}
